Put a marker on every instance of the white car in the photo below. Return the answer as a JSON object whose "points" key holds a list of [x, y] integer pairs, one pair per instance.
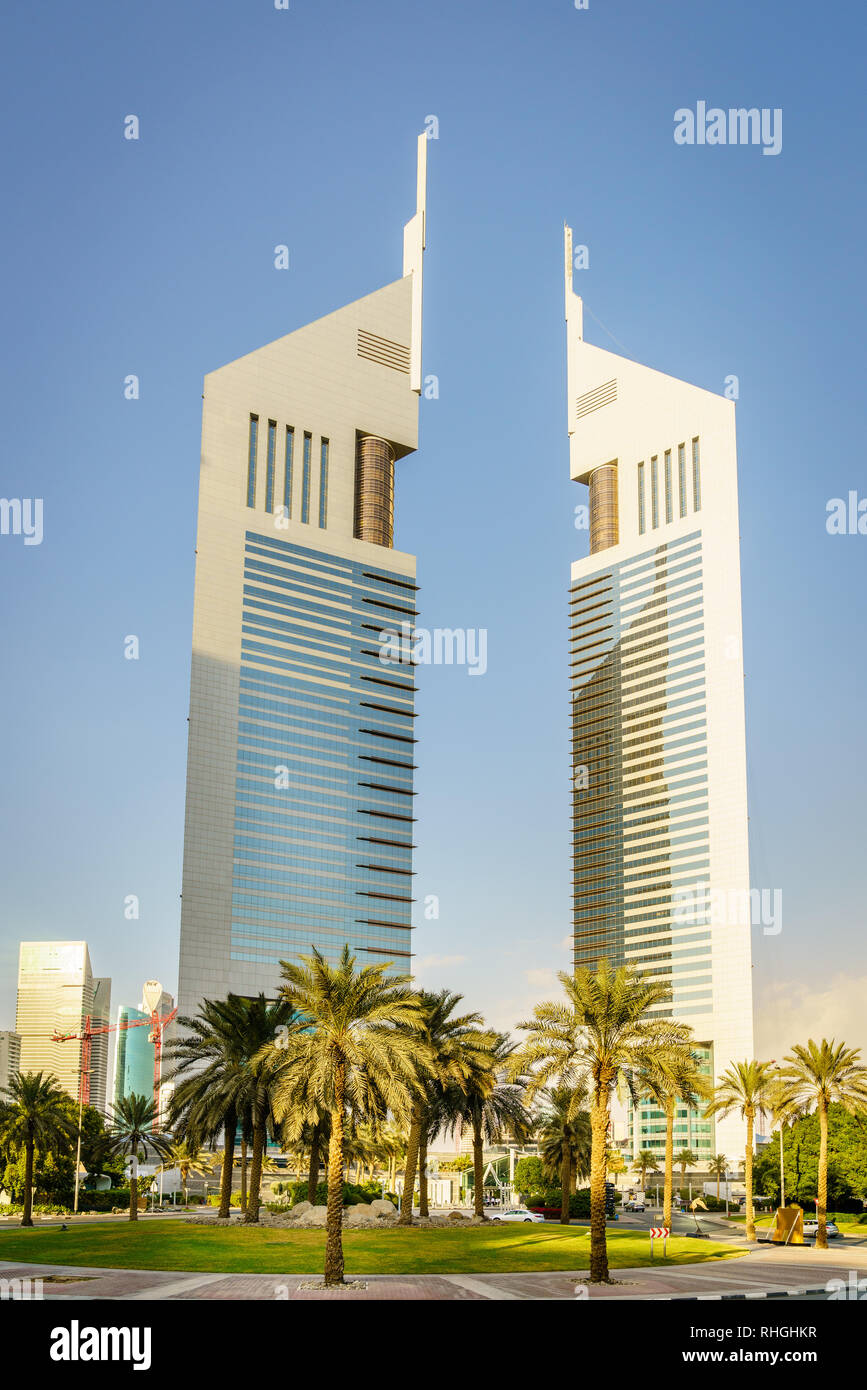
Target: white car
{"points": [[635, 1204], [811, 1227], [516, 1214]]}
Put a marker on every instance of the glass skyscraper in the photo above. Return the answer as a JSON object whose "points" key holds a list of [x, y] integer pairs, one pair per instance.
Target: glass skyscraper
{"points": [[661, 865], [299, 820]]}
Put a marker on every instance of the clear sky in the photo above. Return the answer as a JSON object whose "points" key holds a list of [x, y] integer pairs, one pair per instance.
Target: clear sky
{"points": [[155, 257]]}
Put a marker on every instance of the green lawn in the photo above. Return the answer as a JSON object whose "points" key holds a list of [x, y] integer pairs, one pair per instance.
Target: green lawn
{"points": [[270, 1250]]}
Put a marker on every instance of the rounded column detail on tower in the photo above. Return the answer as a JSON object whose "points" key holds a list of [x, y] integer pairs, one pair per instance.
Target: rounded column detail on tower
{"points": [[604, 520], [374, 490]]}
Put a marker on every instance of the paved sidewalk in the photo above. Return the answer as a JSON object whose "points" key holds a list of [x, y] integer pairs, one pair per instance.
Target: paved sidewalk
{"points": [[764, 1272]]}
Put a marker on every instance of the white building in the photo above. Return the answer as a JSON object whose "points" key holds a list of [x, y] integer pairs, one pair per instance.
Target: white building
{"points": [[661, 877], [299, 780], [10, 1057], [57, 993]]}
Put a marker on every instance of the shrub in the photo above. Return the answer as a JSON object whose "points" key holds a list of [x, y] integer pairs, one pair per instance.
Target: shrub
{"points": [[353, 1193], [550, 1199]]}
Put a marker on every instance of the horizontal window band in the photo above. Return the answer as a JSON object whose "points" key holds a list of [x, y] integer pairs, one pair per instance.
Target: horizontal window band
{"points": [[392, 685], [381, 578], [394, 926], [392, 607], [387, 787], [385, 815], [380, 733], [386, 869], [381, 951], [393, 844], [386, 762], [387, 709], [383, 897]]}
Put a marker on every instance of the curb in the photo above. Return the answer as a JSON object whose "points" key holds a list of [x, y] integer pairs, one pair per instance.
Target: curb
{"points": [[747, 1296]]}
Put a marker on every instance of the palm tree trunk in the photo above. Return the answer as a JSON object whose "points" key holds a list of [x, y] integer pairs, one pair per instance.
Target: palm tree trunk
{"points": [[251, 1211], [598, 1155], [405, 1218], [717, 1184], [565, 1187], [669, 1164], [748, 1178], [133, 1186], [27, 1216], [334, 1217], [392, 1172], [228, 1164], [243, 1172], [478, 1171], [822, 1202], [313, 1170], [422, 1175]]}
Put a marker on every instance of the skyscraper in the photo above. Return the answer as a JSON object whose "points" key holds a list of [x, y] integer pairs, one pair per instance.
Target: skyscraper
{"points": [[10, 1058], [134, 1044], [661, 864], [301, 745], [57, 992]]}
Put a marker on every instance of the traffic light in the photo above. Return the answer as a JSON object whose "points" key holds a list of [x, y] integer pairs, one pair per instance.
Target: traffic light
{"points": [[610, 1189]]}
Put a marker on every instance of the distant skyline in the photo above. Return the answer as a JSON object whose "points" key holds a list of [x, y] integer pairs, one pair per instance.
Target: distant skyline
{"points": [[156, 258]]}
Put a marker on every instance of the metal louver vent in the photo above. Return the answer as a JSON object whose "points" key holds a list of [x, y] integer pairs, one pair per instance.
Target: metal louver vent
{"points": [[595, 399], [383, 350]]}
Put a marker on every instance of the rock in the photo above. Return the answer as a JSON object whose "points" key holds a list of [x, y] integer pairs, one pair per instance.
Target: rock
{"points": [[456, 1216], [383, 1208], [359, 1216], [300, 1209], [316, 1216], [360, 1208]]}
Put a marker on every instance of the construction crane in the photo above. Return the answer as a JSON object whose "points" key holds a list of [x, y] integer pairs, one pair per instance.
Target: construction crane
{"points": [[157, 1024]]}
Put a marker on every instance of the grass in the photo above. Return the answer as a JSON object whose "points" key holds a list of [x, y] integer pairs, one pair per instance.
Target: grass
{"points": [[174, 1245]]}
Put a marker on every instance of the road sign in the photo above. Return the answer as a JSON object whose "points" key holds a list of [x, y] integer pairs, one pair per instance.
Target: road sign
{"points": [[659, 1233]]}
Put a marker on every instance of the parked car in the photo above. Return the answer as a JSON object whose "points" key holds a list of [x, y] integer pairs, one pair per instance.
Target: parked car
{"points": [[517, 1214], [635, 1204], [811, 1227]]}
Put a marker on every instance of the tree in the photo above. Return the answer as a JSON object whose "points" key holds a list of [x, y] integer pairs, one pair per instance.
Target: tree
{"points": [[676, 1079], [214, 1082], [453, 1044], [528, 1174], [565, 1140], [685, 1159], [187, 1157], [812, 1078], [489, 1104], [847, 1160], [599, 1037], [645, 1160], [37, 1118], [358, 1054], [747, 1087], [132, 1134], [718, 1166]]}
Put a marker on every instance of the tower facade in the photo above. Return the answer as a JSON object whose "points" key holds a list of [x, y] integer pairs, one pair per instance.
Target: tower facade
{"points": [[661, 862], [56, 989], [301, 746]]}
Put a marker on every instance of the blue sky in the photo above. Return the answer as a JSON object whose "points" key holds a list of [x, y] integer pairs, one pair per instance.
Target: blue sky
{"points": [[155, 257]]}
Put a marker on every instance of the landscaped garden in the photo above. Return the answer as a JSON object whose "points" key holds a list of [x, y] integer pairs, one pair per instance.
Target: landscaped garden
{"points": [[176, 1245]]}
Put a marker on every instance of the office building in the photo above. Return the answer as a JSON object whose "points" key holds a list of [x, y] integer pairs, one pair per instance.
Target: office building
{"points": [[299, 816], [661, 864]]}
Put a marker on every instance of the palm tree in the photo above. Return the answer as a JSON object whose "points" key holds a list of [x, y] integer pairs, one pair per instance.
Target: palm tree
{"points": [[679, 1079], [748, 1087], [132, 1133], [453, 1045], [488, 1103], [685, 1159], [188, 1157], [718, 1166], [565, 1140], [645, 1160], [220, 1087], [357, 1053], [37, 1116], [815, 1077], [599, 1037]]}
